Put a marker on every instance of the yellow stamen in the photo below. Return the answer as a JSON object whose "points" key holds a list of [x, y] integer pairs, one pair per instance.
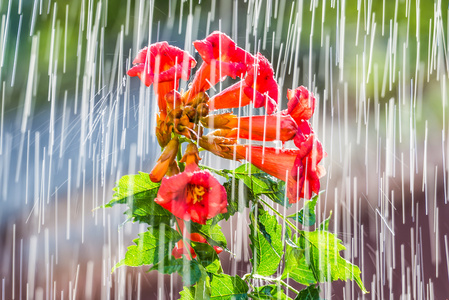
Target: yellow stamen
{"points": [[196, 192]]}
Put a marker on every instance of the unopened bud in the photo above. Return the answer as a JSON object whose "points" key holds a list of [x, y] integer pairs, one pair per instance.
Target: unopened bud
{"points": [[173, 169], [202, 109], [163, 132], [199, 98], [191, 157], [164, 161], [219, 121], [183, 126], [190, 112], [223, 147], [176, 113]]}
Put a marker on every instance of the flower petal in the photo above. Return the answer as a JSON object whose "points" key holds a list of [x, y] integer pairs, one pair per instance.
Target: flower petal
{"points": [[301, 104], [276, 162], [221, 58], [230, 97], [163, 65]]}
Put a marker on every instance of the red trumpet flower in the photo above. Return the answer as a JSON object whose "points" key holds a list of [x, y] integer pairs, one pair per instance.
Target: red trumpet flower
{"points": [[162, 65], [276, 162], [193, 194], [259, 87], [222, 57]]}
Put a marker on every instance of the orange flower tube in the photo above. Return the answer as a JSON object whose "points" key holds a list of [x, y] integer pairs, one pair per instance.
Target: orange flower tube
{"points": [[288, 165], [257, 128]]}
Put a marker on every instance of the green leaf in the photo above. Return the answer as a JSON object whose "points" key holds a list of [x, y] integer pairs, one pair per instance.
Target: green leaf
{"points": [[269, 292], [200, 291], [130, 185], [221, 287], [151, 247], [208, 258], [261, 183], [325, 224], [212, 232], [309, 293], [266, 240], [275, 189], [306, 216], [138, 192], [188, 293], [225, 287], [321, 260], [239, 197], [190, 270], [296, 267], [168, 265]]}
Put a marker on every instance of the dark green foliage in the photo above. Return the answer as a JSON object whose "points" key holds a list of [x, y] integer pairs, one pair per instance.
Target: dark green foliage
{"points": [[319, 260], [310, 293], [266, 242], [269, 292], [306, 216], [151, 247], [309, 257]]}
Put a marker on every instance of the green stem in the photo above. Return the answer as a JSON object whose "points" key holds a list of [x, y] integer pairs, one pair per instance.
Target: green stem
{"points": [[289, 287], [218, 172], [178, 158], [276, 280], [280, 215]]}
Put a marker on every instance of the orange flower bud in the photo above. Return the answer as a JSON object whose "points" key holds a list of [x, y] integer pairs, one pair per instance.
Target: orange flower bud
{"points": [[163, 131], [202, 109], [190, 111], [184, 126], [199, 98], [173, 169], [191, 157], [221, 146], [164, 161], [175, 114], [228, 133], [223, 121]]}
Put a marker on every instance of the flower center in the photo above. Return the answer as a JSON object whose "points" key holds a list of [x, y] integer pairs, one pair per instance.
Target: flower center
{"points": [[195, 193]]}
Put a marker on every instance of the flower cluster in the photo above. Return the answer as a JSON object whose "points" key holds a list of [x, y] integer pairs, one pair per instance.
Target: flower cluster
{"points": [[194, 194]]}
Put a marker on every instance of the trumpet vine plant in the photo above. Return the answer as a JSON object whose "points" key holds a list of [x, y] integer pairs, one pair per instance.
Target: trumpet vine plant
{"points": [[183, 202]]}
